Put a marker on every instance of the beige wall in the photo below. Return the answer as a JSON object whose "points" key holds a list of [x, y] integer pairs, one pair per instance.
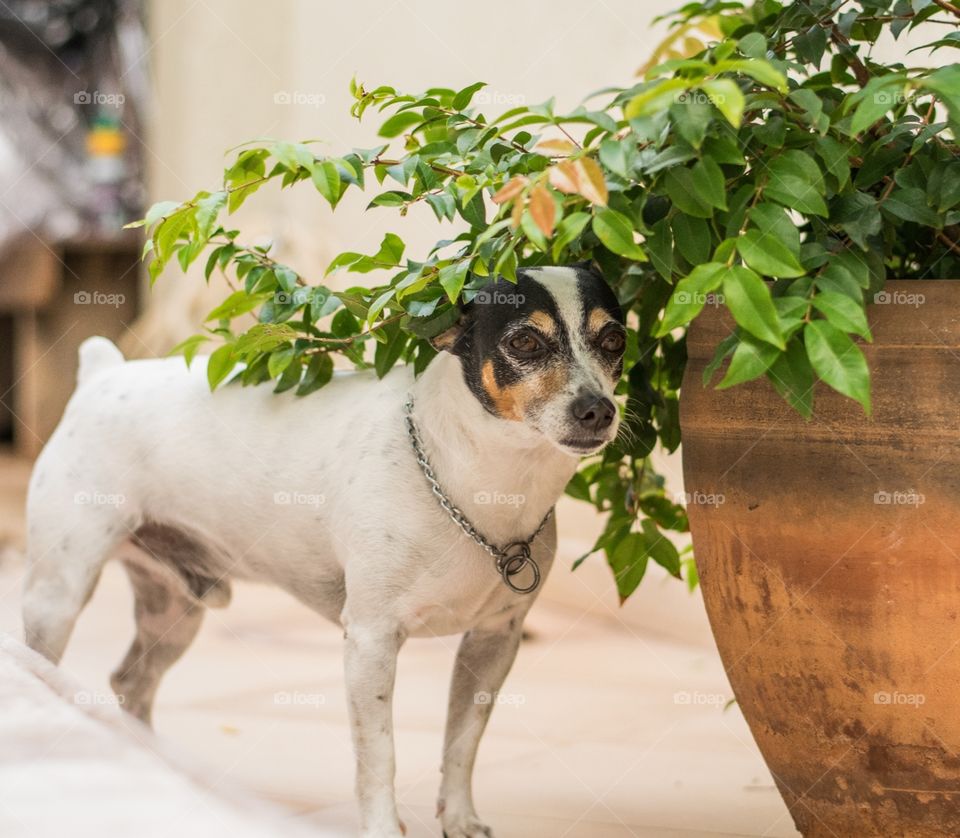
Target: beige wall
{"points": [[218, 64]]}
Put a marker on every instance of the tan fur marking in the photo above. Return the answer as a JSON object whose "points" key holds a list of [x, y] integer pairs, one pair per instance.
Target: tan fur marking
{"points": [[544, 322], [597, 320], [514, 401]]}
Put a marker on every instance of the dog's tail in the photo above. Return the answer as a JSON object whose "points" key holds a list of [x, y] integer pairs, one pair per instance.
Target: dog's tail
{"points": [[96, 354]]}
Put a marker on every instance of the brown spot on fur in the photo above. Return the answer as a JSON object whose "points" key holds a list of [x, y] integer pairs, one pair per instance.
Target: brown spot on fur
{"points": [[515, 401], [543, 322], [597, 319]]}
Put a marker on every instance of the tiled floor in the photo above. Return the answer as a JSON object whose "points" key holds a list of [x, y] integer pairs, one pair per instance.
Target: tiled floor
{"points": [[605, 730]]}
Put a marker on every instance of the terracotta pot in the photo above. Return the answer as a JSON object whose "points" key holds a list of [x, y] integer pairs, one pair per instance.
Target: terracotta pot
{"points": [[829, 555]]}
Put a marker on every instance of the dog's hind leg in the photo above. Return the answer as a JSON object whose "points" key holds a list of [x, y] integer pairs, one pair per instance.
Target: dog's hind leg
{"points": [[63, 566], [168, 618]]}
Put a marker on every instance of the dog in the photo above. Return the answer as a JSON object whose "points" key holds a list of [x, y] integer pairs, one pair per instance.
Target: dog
{"points": [[369, 502]]}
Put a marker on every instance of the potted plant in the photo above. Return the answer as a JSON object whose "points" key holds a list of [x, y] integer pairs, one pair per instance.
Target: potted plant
{"points": [[767, 171]]}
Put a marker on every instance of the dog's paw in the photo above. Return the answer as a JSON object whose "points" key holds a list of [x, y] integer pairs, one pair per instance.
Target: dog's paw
{"points": [[465, 826]]}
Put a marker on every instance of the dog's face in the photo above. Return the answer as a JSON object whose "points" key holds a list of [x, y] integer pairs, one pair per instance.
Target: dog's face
{"points": [[546, 352]]}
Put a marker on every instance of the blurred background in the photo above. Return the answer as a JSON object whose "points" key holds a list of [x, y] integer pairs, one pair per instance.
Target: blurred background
{"points": [[618, 725]]}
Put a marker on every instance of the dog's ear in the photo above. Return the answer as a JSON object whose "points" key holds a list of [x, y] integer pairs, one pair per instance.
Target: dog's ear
{"points": [[451, 339]]}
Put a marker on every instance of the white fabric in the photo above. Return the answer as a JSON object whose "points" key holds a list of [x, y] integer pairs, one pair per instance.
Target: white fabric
{"points": [[72, 766]]}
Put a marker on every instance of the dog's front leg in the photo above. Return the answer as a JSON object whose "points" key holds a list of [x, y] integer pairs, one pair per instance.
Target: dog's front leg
{"points": [[483, 661], [371, 664]]}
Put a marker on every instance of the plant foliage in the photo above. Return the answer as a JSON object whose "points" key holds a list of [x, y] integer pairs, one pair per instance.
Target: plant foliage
{"points": [[777, 170]]}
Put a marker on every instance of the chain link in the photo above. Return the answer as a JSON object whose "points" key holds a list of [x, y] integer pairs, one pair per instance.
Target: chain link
{"points": [[509, 561]]}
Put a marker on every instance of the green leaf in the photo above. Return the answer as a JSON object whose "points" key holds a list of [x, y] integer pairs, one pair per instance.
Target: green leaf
{"points": [[188, 348], [318, 373], [878, 97], [690, 296], [683, 191], [220, 365], [616, 233], [795, 180], [452, 278], [387, 354], [726, 95], [843, 312], [628, 560], [767, 255], [838, 361], [279, 360], [910, 204], [399, 122], [327, 180], [239, 302], [568, 231], [710, 183], [748, 298], [463, 97], [751, 359], [692, 238], [792, 377]]}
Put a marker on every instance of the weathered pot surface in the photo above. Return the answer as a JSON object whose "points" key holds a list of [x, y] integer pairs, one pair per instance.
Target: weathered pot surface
{"points": [[829, 555]]}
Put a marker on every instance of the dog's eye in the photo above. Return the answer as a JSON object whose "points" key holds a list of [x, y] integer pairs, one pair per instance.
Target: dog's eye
{"points": [[613, 342], [525, 343]]}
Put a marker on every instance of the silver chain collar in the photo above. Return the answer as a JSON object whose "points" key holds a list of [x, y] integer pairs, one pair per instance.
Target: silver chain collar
{"points": [[513, 558]]}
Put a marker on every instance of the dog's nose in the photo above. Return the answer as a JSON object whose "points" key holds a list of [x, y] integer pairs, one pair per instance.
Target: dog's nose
{"points": [[593, 412]]}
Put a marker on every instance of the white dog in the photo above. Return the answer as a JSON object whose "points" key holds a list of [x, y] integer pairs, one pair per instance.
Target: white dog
{"points": [[334, 498]]}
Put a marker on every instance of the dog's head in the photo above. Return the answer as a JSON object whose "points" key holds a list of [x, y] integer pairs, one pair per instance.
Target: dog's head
{"points": [[546, 352]]}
